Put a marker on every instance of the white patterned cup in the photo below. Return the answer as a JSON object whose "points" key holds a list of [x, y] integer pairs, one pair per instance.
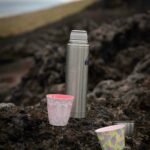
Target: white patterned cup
{"points": [[111, 137], [59, 108]]}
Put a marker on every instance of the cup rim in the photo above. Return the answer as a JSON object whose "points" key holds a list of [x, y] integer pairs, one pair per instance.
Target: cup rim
{"points": [[110, 128], [60, 96], [124, 121]]}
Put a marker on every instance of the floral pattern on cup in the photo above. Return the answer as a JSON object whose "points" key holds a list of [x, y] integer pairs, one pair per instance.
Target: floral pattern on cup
{"points": [[113, 139]]}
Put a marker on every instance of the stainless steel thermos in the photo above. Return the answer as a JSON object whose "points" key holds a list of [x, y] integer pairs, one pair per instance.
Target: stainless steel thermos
{"points": [[77, 71]]}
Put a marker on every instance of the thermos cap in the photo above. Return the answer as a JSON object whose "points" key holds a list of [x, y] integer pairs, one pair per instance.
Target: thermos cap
{"points": [[78, 36]]}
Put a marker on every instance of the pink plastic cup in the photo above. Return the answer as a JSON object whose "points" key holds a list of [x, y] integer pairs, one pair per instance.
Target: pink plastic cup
{"points": [[59, 108]]}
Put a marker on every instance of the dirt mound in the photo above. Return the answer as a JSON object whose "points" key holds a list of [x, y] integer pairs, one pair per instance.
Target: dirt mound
{"points": [[119, 87]]}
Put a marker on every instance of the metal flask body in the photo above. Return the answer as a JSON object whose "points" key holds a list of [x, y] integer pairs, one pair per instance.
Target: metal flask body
{"points": [[77, 71]]}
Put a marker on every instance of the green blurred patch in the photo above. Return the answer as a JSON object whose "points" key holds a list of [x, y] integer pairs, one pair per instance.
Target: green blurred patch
{"points": [[30, 21]]}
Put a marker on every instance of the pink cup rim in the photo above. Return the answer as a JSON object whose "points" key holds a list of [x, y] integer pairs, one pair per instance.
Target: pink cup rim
{"points": [[110, 128], [60, 96]]}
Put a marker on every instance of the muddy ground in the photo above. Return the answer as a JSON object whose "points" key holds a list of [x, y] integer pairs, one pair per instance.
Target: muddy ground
{"points": [[118, 88]]}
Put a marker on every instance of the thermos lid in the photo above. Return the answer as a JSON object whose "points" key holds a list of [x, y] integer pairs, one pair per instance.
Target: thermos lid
{"points": [[78, 36]]}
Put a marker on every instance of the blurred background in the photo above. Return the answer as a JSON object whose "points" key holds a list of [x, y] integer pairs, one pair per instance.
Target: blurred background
{"points": [[28, 27], [19, 18], [16, 7], [24, 24]]}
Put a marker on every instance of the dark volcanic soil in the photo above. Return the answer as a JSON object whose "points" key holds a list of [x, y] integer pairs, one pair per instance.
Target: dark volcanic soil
{"points": [[118, 89]]}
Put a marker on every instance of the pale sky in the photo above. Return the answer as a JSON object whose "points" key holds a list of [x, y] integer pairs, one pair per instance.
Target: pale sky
{"points": [[15, 7]]}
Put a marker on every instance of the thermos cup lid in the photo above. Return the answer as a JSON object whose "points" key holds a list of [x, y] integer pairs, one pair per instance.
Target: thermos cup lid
{"points": [[78, 36]]}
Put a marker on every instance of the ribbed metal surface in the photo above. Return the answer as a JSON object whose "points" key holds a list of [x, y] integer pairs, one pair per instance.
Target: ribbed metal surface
{"points": [[129, 127], [77, 71]]}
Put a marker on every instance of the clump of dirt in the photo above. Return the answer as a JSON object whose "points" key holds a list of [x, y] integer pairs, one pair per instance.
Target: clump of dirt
{"points": [[118, 89]]}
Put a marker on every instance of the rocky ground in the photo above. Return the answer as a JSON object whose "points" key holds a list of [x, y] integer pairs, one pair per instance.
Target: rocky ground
{"points": [[118, 89]]}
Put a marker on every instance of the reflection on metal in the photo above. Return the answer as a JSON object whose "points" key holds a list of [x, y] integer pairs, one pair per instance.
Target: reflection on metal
{"points": [[77, 71]]}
